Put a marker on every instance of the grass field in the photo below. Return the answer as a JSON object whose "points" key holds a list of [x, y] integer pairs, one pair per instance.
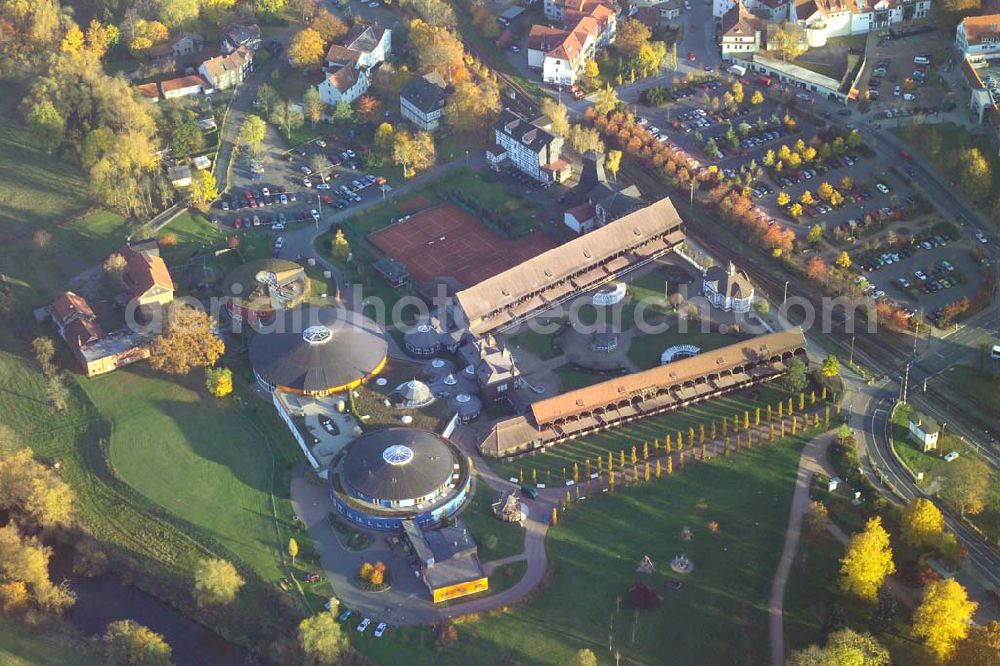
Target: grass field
{"points": [[977, 383], [720, 615], [44, 192], [562, 456], [953, 139], [647, 349], [18, 645], [197, 457], [933, 466], [812, 587]]}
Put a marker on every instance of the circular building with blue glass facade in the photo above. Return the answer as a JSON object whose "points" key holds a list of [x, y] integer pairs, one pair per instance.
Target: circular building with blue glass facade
{"points": [[387, 476]]}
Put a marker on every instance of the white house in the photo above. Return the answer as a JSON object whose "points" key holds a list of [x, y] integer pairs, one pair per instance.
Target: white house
{"points": [[345, 84], [580, 218], [349, 67], [561, 53], [728, 289], [228, 71], [529, 147], [421, 101], [838, 18], [925, 431], [741, 32], [978, 37]]}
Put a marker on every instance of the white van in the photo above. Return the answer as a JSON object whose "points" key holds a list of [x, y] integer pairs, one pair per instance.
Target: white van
{"points": [[921, 60]]}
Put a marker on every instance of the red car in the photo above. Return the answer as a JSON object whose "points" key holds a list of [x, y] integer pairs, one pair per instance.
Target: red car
{"points": [[327, 199], [691, 56]]}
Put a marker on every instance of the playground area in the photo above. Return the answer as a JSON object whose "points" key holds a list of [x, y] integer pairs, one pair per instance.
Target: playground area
{"points": [[447, 241]]}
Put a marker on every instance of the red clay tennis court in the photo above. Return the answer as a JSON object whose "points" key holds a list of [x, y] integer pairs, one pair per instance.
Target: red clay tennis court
{"points": [[446, 241]]}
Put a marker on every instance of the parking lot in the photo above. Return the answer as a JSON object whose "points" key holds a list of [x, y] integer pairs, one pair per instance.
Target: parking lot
{"points": [[865, 198], [924, 276], [290, 187], [903, 75]]}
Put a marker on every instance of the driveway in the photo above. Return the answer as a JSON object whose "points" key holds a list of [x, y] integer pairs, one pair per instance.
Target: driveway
{"points": [[408, 601]]}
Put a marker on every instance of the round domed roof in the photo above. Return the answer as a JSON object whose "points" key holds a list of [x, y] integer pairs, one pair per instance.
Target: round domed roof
{"points": [[398, 463], [318, 349], [466, 404], [415, 392]]}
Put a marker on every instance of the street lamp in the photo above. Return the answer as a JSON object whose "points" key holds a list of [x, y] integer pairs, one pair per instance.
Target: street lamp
{"points": [[785, 297]]}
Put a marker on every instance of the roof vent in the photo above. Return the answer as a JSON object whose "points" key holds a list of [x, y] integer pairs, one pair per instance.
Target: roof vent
{"points": [[636, 231], [579, 402], [587, 254], [547, 272], [505, 292], [720, 360]]}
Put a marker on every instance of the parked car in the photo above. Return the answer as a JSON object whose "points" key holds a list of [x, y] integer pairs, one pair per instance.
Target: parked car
{"points": [[364, 625], [314, 214], [951, 456], [882, 188], [380, 629], [345, 615], [278, 244], [981, 237]]}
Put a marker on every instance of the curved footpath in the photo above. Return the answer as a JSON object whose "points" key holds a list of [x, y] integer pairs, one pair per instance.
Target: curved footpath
{"points": [[812, 461], [535, 526], [809, 464]]}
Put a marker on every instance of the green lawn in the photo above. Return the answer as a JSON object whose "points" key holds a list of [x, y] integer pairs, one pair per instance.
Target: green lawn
{"points": [[953, 139], [45, 192], [187, 234], [978, 384], [539, 344], [562, 456], [931, 464], [19, 645], [812, 587], [720, 615], [478, 517], [202, 459], [647, 349], [571, 379]]}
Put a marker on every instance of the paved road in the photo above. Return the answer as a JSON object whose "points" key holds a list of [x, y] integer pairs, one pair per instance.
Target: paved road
{"points": [[868, 409]]}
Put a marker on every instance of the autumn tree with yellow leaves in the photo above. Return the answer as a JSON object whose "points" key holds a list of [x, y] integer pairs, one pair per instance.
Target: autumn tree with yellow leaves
{"points": [[188, 341], [867, 562], [943, 617], [922, 523]]}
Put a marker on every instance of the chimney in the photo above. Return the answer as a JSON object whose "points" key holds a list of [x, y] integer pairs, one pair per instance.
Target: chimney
{"points": [[593, 170]]}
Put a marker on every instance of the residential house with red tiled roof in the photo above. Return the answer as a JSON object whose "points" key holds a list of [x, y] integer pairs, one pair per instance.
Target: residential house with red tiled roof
{"points": [[740, 33], [146, 277], [95, 351], [182, 86], [561, 53]]}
